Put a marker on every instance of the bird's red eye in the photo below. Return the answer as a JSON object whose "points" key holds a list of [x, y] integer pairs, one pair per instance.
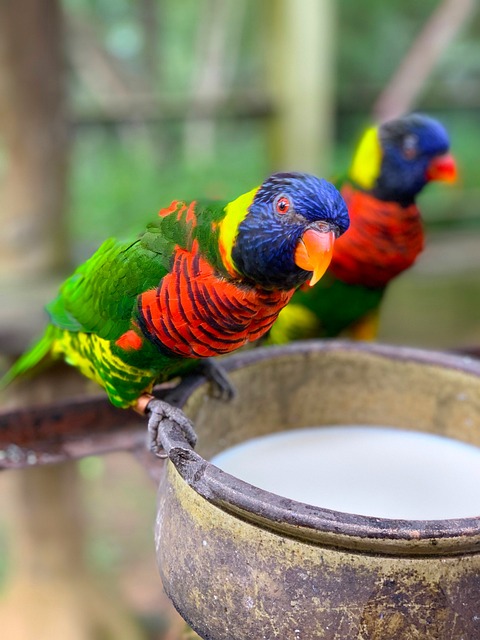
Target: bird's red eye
{"points": [[410, 147], [282, 205]]}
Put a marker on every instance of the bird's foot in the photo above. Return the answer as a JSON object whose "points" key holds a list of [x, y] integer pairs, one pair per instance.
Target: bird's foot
{"points": [[216, 374], [157, 411]]}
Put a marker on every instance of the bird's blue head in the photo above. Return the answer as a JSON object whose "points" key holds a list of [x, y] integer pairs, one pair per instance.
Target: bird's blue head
{"points": [[395, 160], [415, 151], [288, 232]]}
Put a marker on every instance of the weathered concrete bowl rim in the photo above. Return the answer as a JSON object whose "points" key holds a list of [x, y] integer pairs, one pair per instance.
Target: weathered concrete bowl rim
{"points": [[311, 523]]}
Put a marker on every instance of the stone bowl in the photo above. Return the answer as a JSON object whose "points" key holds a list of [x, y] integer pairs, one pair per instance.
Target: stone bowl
{"points": [[240, 563]]}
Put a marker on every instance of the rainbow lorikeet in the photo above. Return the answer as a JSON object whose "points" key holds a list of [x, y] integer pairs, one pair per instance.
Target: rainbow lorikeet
{"points": [[392, 164], [201, 281]]}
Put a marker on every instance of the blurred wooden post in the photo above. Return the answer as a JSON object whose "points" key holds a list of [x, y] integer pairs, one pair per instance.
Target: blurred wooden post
{"points": [[50, 593], [216, 56], [33, 129], [300, 56], [148, 12]]}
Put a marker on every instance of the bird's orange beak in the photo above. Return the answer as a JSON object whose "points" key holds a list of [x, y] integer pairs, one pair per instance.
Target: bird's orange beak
{"points": [[314, 252], [443, 168]]}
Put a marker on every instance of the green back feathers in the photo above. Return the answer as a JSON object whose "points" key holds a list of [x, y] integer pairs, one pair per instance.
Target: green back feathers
{"points": [[101, 294], [99, 297], [99, 300]]}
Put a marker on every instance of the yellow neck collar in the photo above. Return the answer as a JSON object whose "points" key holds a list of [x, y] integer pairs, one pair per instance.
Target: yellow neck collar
{"points": [[365, 167], [236, 212]]}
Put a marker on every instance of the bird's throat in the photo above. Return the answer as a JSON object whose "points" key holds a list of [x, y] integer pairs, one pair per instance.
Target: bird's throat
{"points": [[383, 240]]}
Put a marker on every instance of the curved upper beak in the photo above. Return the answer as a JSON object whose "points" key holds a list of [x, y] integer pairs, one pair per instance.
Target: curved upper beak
{"points": [[443, 168], [314, 252]]}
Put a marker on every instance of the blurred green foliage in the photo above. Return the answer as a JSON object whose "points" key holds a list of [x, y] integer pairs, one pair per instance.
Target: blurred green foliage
{"points": [[122, 174], [118, 183], [372, 38]]}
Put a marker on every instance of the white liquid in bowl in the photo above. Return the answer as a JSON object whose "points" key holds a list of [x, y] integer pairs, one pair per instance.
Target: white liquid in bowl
{"points": [[375, 471]]}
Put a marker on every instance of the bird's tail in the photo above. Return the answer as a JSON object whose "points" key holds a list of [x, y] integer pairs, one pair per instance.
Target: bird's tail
{"points": [[33, 360]]}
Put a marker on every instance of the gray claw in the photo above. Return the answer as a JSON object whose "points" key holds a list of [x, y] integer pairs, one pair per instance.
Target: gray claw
{"points": [[222, 387], [160, 410]]}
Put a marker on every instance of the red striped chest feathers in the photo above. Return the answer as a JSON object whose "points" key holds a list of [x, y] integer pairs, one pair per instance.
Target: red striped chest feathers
{"points": [[383, 240], [197, 313]]}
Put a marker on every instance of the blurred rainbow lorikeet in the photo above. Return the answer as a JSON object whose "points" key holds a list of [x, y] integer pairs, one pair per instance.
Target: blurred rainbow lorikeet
{"points": [[202, 280], [392, 164]]}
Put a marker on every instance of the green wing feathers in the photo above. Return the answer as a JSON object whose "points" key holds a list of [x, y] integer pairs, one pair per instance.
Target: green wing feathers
{"points": [[97, 302], [99, 297], [101, 294]]}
